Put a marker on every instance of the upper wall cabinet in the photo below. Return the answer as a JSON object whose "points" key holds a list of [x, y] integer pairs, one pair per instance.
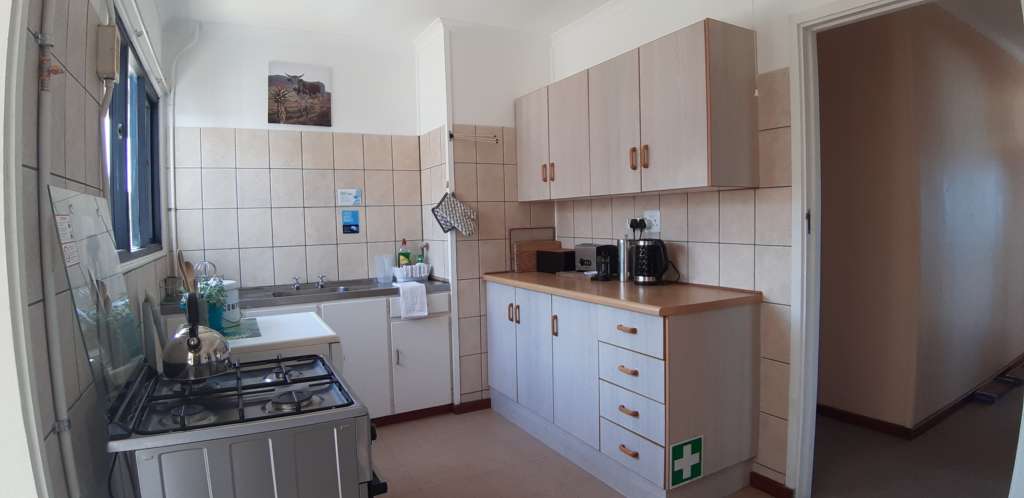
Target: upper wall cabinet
{"points": [[677, 113]]}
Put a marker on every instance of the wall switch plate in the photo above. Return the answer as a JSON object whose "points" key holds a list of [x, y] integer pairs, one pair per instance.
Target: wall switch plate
{"points": [[653, 218]]}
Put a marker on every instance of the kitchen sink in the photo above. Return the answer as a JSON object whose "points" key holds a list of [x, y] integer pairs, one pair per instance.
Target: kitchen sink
{"points": [[308, 292]]}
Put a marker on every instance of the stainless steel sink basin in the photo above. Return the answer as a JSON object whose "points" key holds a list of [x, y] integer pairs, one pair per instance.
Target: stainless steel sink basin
{"points": [[308, 292]]}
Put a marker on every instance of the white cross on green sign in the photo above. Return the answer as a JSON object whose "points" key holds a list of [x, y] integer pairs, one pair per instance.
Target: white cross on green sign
{"points": [[686, 461]]}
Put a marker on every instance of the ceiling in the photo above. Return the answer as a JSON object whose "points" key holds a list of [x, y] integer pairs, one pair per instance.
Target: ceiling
{"points": [[382, 20]]}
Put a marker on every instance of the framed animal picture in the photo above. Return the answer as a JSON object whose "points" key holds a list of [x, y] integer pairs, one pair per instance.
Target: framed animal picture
{"points": [[299, 94]]}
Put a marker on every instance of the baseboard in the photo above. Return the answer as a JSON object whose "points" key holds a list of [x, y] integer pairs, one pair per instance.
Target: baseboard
{"points": [[471, 406], [770, 486], [866, 422]]}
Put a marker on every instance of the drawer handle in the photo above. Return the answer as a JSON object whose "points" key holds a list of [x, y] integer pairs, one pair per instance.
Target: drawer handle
{"points": [[632, 158], [629, 371], [628, 452], [627, 411], [629, 330], [510, 312]]}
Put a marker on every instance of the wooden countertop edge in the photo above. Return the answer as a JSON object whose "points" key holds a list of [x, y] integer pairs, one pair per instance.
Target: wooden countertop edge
{"points": [[750, 297]]}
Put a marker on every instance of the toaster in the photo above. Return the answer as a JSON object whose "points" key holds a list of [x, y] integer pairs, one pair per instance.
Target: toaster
{"points": [[586, 257]]}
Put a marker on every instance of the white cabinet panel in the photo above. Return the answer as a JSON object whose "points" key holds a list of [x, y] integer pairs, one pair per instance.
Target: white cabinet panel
{"points": [[634, 371], [634, 452], [641, 415], [575, 383], [634, 331], [533, 352], [365, 363], [281, 310], [614, 97], [569, 166], [501, 339], [421, 363], [532, 146]]}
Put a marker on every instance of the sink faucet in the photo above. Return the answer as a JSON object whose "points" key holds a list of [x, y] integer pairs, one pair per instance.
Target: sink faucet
{"points": [[296, 284], [321, 281]]}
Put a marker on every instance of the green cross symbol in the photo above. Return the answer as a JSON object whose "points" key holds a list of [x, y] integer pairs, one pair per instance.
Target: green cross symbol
{"points": [[687, 461]]}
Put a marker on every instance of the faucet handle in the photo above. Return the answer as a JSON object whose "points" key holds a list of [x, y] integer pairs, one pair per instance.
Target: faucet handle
{"points": [[296, 283], [322, 277]]}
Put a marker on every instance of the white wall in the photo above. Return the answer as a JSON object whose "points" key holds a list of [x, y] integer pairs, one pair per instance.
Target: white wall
{"points": [[490, 68], [431, 81], [222, 80]]}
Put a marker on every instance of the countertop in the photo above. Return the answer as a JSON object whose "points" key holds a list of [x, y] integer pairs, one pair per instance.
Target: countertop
{"points": [[286, 331], [283, 295], [662, 300]]}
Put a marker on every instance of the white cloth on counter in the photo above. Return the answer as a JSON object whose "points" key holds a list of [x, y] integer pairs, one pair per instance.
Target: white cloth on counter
{"points": [[412, 297]]}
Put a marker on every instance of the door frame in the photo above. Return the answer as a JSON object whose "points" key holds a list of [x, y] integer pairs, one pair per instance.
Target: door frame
{"points": [[805, 272]]}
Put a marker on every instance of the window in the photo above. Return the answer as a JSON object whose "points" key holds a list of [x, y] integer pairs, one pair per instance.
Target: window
{"points": [[133, 158]]}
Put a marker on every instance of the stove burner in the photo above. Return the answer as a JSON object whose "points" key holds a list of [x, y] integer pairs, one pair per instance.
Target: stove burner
{"points": [[291, 401], [278, 376], [189, 414]]}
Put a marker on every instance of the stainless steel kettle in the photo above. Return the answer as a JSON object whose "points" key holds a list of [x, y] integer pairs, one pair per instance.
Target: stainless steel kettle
{"points": [[196, 352]]}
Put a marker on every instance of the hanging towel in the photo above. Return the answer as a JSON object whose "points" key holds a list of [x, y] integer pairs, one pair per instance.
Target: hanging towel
{"points": [[413, 299], [452, 213]]}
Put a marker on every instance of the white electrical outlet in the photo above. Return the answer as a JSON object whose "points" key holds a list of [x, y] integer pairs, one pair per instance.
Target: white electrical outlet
{"points": [[653, 218]]}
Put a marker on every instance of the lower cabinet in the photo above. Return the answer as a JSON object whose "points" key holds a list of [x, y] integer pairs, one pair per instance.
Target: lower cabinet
{"points": [[533, 352], [501, 339], [421, 363], [362, 328], [574, 372]]}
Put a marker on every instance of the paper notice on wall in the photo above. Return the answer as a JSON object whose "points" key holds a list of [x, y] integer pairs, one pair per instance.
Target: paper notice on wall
{"points": [[349, 221], [70, 250], [350, 196], [64, 228]]}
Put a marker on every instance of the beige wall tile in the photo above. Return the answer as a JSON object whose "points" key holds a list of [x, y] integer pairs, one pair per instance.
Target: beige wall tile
{"points": [[491, 220], [407, 188], [542, 214], [188, 189], [285, 188], [736, 210], [219, 188], [508, 140], [349, 179], [489, 152], [252, 149], [775, 388], [289, 262], [285, 150], [438, 183], [644, 203], [289, 227], [317, 150], [466, 181], [425, 187], [352, 261], [774, 160], [771, 273], [253, 188], [517, 215], [601, 219], [380, 188], [622, 211], [348, 151], [774, 216], [189, 223], [405, 152], [702, 212], [377, 152], [465, 147], [564, 224], [318, 188], [771, 442], [217, 147], [77, 18], [677, 254], [408, 224], [380, 223], [254, 227], [351, 238], [511, 186], [773, 99], [322, 260], [673, 217], [319, 228], [490, 180], [470, 374], [257, 267], [226, 261], [736, 263], [582, 218], [468, 264], [703, 263], [470, 336], [469, 298], [220, 228], [382, 249], [775, 342], [493, 256], [74, 131], [57, 127]]}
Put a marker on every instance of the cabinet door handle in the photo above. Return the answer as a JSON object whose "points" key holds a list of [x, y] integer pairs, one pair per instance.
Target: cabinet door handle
{"points": [[645, 156], [510, 312], [627, 411], [554, 325], [628, 452], [628, 330], [632, 372], [398, 357], [517, 314], [632, 158], [544, 172], [552, 167]]}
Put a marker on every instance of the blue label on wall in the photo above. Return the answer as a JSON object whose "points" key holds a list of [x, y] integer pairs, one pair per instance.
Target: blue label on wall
{"points": [[349, 221]]}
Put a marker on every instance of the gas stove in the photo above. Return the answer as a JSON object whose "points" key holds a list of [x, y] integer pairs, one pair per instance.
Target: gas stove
{"points": [[267, 413]]}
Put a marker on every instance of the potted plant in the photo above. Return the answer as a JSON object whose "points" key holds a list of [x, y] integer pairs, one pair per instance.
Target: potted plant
{"points": [[212, 292]]}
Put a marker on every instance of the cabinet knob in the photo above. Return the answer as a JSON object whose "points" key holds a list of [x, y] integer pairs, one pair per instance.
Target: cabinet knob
{"points": [[632, 372], [628, 452], [627, 411], [624, 329]]}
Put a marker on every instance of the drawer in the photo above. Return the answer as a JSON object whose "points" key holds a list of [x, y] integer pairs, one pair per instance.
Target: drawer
{"points": [[634, 371], [634, 331], [634, 452], [630, 410], [436, 303]]}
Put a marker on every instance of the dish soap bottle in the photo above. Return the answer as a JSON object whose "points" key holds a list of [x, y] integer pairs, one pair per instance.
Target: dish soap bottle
{"points": [[404, 255]]}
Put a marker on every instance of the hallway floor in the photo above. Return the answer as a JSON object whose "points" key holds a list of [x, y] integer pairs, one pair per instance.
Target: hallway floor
{"points": [[970, 454], [479, 454]]}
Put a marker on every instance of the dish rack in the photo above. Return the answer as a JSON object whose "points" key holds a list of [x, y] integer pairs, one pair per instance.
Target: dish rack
{"points": [[419, 272]]}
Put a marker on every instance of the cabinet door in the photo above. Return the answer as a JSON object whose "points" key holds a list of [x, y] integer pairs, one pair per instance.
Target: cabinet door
{"points": [[421, 363], [532, 146], [365, 363], [674, 111], [614, 102], [533, 352], [574, 354], [569, 139], [501, 339]]}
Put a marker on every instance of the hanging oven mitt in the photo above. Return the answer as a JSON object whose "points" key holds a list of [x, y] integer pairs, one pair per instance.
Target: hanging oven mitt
{"points": [[452, 213]]}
